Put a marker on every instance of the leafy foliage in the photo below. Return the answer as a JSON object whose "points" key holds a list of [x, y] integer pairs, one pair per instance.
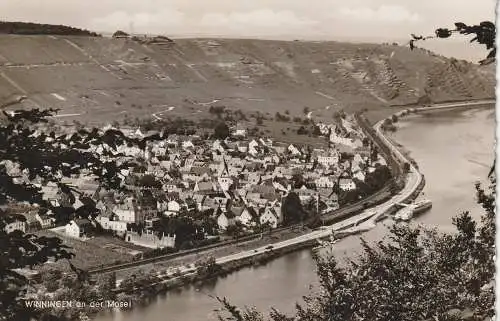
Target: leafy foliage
{"points": [[485, 34], [292, 209], [47, 158], [221, 131]]}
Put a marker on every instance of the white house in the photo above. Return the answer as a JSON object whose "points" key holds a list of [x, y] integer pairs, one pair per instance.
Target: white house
{"points": [[78, 228], [347, 184], [248, 217], [172, 209], [217, 146], [225, 183], [128, 212], [15, 224], [252, 148], [187, 144], [324, 182], [359, 175], [225, 219], [240, 131], [45, 221], [269, 216], [328, 160], [293, 150], [112, 225], [254, 178]]}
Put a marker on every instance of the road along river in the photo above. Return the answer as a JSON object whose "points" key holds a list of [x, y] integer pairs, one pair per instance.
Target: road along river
{"points": [[453, 150]]}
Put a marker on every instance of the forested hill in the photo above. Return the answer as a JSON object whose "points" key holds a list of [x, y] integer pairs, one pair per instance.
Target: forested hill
{"points": [[28, 28]]}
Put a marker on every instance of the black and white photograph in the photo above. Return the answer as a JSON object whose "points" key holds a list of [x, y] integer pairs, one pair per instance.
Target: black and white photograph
{"points": [[236, 160]]}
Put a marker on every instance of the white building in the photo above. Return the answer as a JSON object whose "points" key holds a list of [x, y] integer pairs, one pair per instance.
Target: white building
{"points": [[225, 220], [347, 184], [78, 228], [329, 160], [112, 225]]}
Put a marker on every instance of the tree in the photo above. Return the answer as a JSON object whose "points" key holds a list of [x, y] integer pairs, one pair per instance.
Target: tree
{"points": [[485, 34], [316, 131], [106, 283], [119, 34], [221, 131], [302, 131], [417, 274], [149, 181], [292, 209], [298, 180], [44, 157], [235, 230]]}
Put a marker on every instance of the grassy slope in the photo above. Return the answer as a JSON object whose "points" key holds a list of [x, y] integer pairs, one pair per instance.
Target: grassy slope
{"points": [[105, 79]]}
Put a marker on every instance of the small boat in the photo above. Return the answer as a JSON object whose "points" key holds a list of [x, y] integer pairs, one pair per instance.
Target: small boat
{"points": [[407, 212], [422, 206], [404, 214]]}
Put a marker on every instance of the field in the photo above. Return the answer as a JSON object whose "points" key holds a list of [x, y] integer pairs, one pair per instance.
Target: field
{"points": [[97, 251]]}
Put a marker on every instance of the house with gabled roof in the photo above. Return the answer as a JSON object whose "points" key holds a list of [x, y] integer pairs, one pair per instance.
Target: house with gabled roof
{"points": [[324, 182], [111, 223], [269, 216], [78, 228], [225, 183], [248, 216], [347, 184], [226, 219], [14, 223], [46, 221]]}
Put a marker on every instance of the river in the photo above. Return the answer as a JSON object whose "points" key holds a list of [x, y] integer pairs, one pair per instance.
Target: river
{"points": [[453, 149]]}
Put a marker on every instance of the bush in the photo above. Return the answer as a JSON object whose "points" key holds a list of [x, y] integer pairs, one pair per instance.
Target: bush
{"points": [[221, 131], [302, 131], [280, 117], [415, 274]]}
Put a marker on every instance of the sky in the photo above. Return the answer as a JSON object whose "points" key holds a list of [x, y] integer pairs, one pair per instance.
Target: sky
{"points": [[275, 19]]}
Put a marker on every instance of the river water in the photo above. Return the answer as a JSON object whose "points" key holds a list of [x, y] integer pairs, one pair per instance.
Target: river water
{"points": [[454, 149]]}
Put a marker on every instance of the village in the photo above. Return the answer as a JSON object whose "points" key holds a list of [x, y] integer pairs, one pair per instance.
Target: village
{"points": [[185, 192]]}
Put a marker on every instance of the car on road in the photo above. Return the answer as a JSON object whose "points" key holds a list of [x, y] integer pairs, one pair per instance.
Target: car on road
{"points": [[270, 247]]}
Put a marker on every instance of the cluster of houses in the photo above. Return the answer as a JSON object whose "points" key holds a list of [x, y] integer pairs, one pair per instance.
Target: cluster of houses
{"points": [[237, 181]]}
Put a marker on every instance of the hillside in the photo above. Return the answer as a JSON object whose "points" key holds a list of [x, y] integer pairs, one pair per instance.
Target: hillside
{"points": [[103, 79]]}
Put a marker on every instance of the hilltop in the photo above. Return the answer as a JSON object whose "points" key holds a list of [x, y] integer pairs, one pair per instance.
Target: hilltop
{"points": [[99, 79], [29, 28]]}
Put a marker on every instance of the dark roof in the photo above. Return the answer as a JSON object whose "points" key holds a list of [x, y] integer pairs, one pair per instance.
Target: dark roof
{"points": [[14, 217], [252, 212], [230, 214], [237, 210], [82, 222]]}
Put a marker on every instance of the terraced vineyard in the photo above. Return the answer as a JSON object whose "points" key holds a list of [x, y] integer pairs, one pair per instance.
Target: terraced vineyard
{"points": [[103, 79]]}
